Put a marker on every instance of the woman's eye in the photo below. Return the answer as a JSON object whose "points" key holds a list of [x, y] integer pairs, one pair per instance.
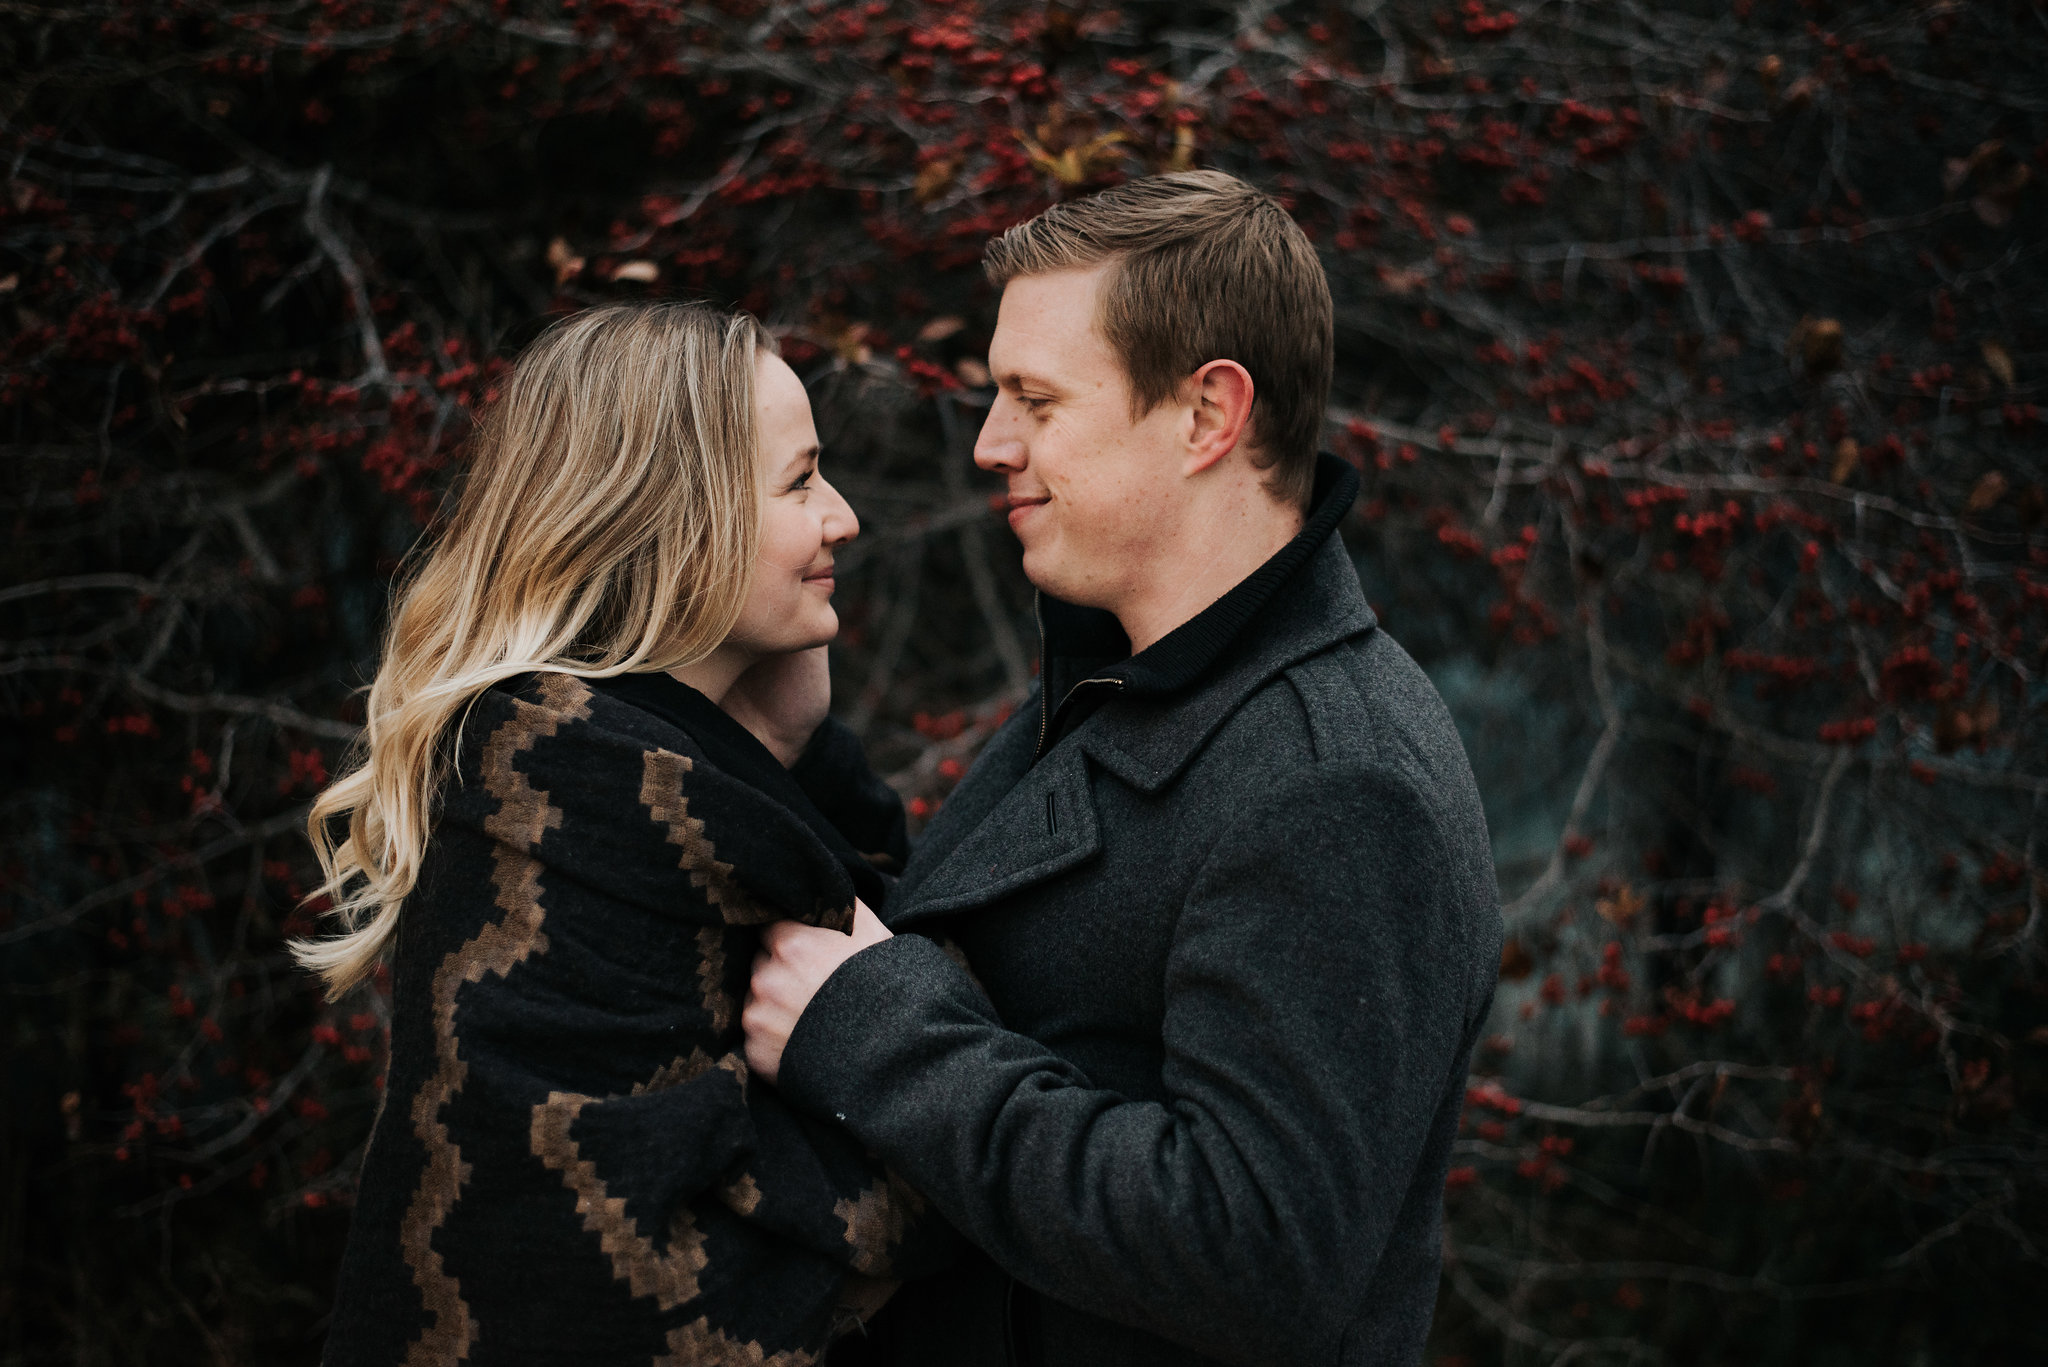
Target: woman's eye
{"points": [[802, 481]]}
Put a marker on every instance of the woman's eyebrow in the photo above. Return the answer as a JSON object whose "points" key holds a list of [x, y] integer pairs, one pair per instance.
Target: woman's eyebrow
{"points": [[807, 456]]}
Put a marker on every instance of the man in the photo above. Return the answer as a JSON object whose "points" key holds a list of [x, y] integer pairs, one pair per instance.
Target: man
{"points": [[1222, 889]]}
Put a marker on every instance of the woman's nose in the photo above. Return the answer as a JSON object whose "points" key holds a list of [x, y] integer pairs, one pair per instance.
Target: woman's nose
{"points": [[841, 525]]}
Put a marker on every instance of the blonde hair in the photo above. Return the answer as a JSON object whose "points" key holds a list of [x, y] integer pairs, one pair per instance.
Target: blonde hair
{"points": [[1206, 268], [608, 523]]}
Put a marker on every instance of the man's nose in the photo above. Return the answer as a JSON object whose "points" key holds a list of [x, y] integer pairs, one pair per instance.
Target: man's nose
{"points": [[999, 449]]}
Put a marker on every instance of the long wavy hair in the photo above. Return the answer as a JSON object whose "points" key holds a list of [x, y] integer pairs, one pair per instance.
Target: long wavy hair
{"points": [[608, 523]]}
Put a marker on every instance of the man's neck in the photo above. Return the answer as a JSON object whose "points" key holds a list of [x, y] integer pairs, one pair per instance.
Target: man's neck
{"points": [[1217, 548]]}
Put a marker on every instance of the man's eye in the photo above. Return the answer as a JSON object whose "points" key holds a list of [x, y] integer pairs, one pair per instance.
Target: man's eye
{"points": [[1035, 404]]}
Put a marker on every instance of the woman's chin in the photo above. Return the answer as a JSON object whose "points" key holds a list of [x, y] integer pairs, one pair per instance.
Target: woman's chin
{"points": [[817, 630]]}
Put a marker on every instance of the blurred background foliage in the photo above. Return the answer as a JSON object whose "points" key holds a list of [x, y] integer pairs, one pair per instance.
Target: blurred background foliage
{"points": [[1693, 354]]}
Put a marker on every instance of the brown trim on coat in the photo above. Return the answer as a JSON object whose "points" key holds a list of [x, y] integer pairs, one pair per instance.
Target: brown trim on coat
{"points": [[876, 1220], [718, 1003], [523, 817], [661, 791], [697, 1344]]}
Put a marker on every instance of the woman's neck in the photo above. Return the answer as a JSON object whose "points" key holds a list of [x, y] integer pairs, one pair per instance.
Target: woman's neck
{"points": [[715, 674]]}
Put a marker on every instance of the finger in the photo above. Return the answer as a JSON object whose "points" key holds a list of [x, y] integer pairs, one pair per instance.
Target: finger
{"points": [[867, 927], [762, 1060]]}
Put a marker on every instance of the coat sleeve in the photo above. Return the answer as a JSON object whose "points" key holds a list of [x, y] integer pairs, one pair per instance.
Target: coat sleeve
{"points": [[1320, 988]]}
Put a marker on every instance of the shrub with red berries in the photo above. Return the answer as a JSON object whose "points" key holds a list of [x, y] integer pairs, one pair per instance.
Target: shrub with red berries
{"points": [[1693, 357]]}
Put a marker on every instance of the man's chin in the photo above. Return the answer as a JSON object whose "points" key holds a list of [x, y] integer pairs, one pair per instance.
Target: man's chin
{"points": [[1041, 567], [1052, 576]]}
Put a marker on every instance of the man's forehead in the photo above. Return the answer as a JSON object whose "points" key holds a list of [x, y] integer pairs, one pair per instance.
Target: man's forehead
{"points": [[1046, 328]]}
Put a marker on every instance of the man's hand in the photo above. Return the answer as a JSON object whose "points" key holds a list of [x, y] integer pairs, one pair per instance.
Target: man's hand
{"points": [[794, 961], [782, 699]]}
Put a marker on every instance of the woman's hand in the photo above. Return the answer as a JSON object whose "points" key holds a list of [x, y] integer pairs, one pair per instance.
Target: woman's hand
{"points": [[782, 699], [794, 961]]}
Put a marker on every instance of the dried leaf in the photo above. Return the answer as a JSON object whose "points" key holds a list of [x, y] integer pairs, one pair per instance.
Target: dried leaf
{"points": [[1801, 92], [1999, 361], [1817, 343], [1400, 280], [1767, 72], [1960, 724], [939, 329], [1984, 156], [1989, 490], [1848, 455], [644, 272], [934, 178], [1183, 158], [566, 263], [1620, 909], [972, 373], [1075, 165], [851, 344], [10, 282], [1516, 963]]}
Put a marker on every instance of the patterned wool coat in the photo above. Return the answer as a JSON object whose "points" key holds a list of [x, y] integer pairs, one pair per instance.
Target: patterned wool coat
{"points": [[570, 1165]]}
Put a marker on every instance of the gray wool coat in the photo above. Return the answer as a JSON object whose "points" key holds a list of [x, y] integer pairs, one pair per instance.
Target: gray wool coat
{"points": [[1233, 929]]}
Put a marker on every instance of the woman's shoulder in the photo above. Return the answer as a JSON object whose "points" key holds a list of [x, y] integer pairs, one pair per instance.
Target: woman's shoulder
{"points": [[627, 802], [555, 738], [571, 710]]}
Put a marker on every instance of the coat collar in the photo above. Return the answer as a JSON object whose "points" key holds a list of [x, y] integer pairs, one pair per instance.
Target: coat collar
{"points": [[1014, 822], [1086, 655], [1090, 639], [1147, 739]]}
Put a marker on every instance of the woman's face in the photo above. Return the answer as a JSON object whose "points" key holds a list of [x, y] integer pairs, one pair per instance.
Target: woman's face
{"points": [[803, 521]]}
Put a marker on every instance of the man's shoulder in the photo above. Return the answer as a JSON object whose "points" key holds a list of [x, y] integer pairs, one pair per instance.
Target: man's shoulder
{"points": [[1359, 701]]}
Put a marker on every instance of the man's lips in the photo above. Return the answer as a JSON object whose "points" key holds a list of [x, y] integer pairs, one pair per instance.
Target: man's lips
{"points": [[1021, 504]]}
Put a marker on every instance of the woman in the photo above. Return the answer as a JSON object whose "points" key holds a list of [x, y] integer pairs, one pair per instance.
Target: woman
{"points": [[571, 815]]}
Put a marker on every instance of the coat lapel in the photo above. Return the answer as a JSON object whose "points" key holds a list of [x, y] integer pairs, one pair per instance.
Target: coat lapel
{"points": [[1147, 742], [1011, 823], [1043, 825]]}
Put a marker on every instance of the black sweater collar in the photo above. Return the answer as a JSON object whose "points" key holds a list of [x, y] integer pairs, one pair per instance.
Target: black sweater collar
{"points": [[740, 754], [1087, 646]]}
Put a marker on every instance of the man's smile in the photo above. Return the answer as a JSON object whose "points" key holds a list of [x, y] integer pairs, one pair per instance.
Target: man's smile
{"points": [[1020, 506]]}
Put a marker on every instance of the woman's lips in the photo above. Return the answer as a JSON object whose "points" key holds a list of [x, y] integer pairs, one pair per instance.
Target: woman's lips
{"points": [[823, 577]]}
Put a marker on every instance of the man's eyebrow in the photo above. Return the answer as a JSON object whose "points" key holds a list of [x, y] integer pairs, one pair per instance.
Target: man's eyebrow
{"points": [[1018, 379]]}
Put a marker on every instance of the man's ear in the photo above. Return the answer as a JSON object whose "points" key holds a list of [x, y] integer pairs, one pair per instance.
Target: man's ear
{"points": [[1221, 394]]}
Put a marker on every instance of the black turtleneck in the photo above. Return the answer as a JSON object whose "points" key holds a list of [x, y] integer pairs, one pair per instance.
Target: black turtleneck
{"points": [[1086, 657]]}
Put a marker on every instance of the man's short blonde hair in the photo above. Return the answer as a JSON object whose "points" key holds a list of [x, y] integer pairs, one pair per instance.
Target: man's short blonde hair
{"points": [[1206, 268]]}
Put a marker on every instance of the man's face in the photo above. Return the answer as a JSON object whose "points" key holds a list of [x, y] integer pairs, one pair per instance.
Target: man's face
{"points": [[1092, 492]]}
